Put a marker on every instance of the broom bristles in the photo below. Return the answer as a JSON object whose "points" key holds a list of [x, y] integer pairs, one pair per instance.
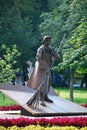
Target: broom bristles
{"points": [[34, 100]]}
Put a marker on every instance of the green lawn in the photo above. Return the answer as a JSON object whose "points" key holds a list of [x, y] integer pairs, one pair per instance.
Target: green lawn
{"points": [[80, 96], [5, 101]]}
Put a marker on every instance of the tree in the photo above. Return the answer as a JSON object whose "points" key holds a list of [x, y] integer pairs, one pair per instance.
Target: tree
{"points": [[79, 42], [75, 57], [7, 63], [19, 21]]}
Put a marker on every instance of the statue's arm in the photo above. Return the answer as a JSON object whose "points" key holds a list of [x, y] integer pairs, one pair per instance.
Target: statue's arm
{"points": [[55, 54]]}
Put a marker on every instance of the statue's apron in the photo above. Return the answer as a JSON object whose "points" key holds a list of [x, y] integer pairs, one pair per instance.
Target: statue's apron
{"points": [[38, 73]]}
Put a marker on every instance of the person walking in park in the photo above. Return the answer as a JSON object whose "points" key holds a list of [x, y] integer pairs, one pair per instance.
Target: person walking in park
{"points": [[41, 74]]}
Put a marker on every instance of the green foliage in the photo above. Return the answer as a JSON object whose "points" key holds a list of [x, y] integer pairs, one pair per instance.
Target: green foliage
{"points": [[53, 22], [79, 42], [7, 62], [68, 18], [19, 21], [24, 22], [76, 56]]}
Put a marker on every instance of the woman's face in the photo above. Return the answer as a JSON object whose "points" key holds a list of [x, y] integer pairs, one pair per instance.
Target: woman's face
{"points": [[47, 42]]}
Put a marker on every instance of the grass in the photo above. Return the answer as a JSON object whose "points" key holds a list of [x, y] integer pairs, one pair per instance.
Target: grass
{"points": [[5, 101], [80, 96]]}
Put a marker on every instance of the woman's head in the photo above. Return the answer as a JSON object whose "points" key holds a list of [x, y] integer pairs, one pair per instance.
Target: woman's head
{"points": [[46, 40]]}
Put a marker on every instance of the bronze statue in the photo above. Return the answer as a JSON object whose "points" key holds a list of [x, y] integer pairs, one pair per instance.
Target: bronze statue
{"points": [[41, 74]]}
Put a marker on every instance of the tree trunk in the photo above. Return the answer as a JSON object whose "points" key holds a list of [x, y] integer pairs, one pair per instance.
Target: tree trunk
{"points": [[71, 85]]}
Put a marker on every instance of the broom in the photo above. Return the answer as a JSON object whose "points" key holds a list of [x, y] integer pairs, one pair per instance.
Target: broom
{"points": [[34, 100]]}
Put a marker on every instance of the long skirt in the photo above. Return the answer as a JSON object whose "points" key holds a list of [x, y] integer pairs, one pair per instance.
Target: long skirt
{"points": [[40, 76]]}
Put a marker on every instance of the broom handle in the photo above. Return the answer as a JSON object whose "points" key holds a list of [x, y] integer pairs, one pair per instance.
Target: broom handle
{"points": [[61, 43]]}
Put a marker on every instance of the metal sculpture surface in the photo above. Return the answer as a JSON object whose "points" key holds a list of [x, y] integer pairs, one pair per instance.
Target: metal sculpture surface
{"points": [[40, 79]]}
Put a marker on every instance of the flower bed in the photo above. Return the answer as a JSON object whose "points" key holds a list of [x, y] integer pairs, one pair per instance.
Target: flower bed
{"points": [[55, 123], [8, 108], [17, 107], [84, 105], [38, 127], [58, 121]]}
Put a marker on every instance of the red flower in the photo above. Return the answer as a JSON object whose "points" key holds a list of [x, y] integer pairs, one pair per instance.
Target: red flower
{"points": [[7, 108]]}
